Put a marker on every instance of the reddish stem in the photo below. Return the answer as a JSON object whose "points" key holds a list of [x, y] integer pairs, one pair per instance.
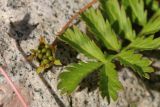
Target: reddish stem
{"points": [[73, 18], [54, 43], [13, 87]]}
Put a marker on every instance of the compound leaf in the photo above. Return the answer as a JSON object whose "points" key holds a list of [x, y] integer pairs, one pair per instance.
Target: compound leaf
{"points": [[136, 62], [101, 29], [142, 43], [153, 25], [82, 43], [109, 83], [137, 7], [117, 14], [152, 4], [73, 75]]}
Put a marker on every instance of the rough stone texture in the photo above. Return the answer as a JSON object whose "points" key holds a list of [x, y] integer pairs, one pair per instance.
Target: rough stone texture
{"points": [[51, 16], [9, 99]]}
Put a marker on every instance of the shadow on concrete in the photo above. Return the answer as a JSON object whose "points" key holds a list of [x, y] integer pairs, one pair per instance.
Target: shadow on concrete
{"points": [[21, 30]]}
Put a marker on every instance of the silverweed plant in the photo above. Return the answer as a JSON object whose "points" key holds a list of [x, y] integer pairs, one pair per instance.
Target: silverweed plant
{"points": [[121, 31]]}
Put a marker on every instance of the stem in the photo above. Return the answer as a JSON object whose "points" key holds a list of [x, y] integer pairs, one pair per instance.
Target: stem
{"points": [[73, 18], [13, 87]]}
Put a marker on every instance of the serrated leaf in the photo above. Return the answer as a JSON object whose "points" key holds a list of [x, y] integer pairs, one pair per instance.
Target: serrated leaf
{"points": [[148, 2], [101, 28], [137, 7], [142, 43], [74, 74], [83, 44], [109, 83], [155, 5], [136, 62], [117, 14], [152, 4], [152, 26]]}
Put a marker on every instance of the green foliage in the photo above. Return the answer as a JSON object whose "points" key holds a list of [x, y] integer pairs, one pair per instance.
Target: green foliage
{"points": [[101, 28], [137, 7], [109, 84], [82, 44], [153, 25], [72, 75], [152, 4], [117, 14], [111, 28], [136, 62], [142, 43]]}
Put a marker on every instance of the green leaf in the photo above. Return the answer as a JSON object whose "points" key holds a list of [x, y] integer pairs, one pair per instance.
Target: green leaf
{"points": [[155, 5], [83, 44], [142, 43], [101, 29], [148, 2], [109, 83], [136, 62], [152, 4], [125, 3], [116, 14], [153, 25], [137, 7], [74, 74]]}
